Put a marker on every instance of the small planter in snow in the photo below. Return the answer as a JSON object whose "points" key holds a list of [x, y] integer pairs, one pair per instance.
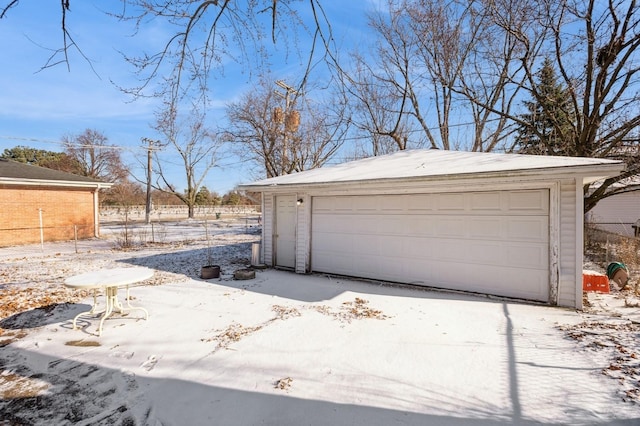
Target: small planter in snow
{"points": [[244, 274], [210, 271]]}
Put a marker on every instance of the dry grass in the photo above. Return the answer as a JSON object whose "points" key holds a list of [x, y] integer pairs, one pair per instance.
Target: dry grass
{"points": [[603, 248], [619, 338], [627, 251], [283, 384], [233, 333]]}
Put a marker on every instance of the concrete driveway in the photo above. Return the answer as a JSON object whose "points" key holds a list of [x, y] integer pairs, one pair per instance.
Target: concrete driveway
{"points": [[286, 349]]}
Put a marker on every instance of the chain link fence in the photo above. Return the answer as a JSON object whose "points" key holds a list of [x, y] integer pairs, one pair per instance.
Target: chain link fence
{"points": [[603, 246], [122, 231]]}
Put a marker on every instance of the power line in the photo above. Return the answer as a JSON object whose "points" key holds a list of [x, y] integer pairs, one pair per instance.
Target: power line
{"points": [[60, 143]]}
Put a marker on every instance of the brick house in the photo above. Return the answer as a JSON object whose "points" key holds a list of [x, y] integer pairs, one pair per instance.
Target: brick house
{"points": [[39, 204]]}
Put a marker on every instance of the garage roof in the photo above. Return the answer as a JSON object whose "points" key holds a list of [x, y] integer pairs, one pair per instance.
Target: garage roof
{"points": [[430, 163], [16, 173]]}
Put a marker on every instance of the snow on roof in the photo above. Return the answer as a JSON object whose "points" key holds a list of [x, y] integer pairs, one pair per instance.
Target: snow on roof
{"points": [[433, 163]]}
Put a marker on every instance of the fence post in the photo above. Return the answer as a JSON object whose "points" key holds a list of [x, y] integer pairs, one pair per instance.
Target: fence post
{"points": [[75, 237]]}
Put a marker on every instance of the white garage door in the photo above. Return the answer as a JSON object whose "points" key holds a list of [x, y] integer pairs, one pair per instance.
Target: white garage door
{"points": [[489, 242]]}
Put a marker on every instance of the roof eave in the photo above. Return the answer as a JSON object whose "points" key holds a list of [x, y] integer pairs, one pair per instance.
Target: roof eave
{"points": [[57, 183], [588, 174]]}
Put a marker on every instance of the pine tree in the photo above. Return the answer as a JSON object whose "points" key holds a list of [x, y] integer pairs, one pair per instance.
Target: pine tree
{"points": [[548, 127]]}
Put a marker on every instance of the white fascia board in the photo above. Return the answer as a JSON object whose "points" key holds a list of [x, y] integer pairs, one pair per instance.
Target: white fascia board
{"points": [[57, 183], [586, 173]]}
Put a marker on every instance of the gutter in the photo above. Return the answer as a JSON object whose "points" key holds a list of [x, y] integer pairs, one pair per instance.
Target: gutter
{"points": [[588, 174], [59, 183]]}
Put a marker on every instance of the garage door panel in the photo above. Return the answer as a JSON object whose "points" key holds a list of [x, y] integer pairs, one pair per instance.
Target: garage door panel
{"points": [[341, 264], [343, 204], [341, 243], [451, 227], [534, 257], [418, 247], [528, 229], [492, 279], [392, 203], [448, 250], [485, 227], [484, 253], [323, 204], [420, 203], [362, 224], [392, 225], [369, 244], [493, 242], [487, 201], [418, 226], [507, 281], [390, 246], [454, 202], [530, 201]]}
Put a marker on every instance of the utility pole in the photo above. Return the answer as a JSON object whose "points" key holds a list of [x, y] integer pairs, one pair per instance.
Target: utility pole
{"points": [[289, 91], [286, 118], [150, 148]]}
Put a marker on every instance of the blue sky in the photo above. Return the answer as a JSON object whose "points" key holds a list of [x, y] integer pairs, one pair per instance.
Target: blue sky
{"points": [[39, 107]]}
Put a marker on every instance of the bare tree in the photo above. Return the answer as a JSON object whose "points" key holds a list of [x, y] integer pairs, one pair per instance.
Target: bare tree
{"points": [[595, 50], [379, 115], [441, 71], [60, 55], [196, 146], [124, 194], [203, 35], [94, 157], [282, 132], [479, 59], [89, 154]]}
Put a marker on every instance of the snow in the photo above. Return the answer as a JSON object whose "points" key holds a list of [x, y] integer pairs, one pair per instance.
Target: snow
{"points": [[290, 349], [433, 163]]}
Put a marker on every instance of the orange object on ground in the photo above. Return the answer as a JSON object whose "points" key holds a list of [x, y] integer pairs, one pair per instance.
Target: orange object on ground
{"points": [[594, 281]]}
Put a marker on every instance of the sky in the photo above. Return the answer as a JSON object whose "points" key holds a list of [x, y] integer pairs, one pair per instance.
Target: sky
{"points": [[38, 107]]}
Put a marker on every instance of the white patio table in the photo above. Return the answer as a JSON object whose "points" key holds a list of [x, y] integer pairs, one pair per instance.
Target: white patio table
{"points": [[109, 280]]}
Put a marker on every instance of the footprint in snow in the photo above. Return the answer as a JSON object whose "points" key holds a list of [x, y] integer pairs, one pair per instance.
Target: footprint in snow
{"points": [[150, 363]]}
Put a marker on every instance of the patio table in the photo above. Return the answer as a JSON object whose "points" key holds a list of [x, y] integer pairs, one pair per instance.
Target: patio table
{"points": [[109, 280]]}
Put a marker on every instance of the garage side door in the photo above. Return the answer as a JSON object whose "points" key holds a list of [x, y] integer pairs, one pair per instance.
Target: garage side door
{"points": [[285, 231], [490, 242]]}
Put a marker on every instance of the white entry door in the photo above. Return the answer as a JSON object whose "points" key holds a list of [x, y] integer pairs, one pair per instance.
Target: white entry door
{"points": [[285, 231], [494, 242]]}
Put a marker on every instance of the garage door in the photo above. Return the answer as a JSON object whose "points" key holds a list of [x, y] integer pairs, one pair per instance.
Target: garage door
{"points": [[489, 242]]}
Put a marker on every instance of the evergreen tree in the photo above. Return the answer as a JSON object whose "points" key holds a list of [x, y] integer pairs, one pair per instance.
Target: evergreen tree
{"points": [[40, 157], [204, 197], [548, 128]]}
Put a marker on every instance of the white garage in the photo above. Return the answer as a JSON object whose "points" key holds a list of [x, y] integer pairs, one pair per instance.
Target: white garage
{"points": [[506, 225]]}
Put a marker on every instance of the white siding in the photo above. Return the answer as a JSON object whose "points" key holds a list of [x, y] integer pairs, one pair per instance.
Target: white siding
{"points": [[303, 235], [617, 213], [568, 259], [267, 228]]}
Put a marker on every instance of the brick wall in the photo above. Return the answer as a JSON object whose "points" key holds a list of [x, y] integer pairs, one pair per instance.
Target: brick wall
{"points": [[62, 208]]}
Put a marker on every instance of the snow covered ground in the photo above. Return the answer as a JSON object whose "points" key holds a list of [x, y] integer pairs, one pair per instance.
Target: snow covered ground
{"points": [[289, 349]]}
